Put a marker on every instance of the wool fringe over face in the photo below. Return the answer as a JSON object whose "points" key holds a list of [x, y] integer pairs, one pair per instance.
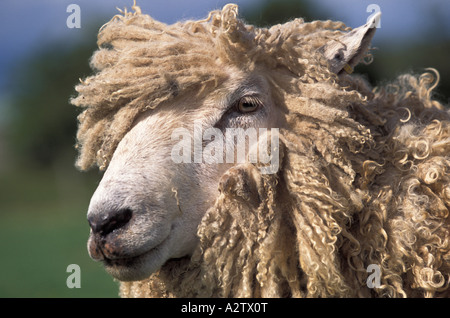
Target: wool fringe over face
{"points": [[364, 172]]}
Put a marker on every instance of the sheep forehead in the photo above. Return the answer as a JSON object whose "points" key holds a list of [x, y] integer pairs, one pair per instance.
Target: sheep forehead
{"points": [[190, 108]]}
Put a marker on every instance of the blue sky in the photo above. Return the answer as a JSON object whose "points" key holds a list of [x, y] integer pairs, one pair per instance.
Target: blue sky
{"points": [[25, 25]]}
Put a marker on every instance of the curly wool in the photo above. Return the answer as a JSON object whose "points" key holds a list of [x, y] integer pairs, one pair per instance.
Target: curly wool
{"points": [[364, 175]]}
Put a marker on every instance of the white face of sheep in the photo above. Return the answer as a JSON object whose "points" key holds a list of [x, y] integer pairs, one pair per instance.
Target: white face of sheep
{"points": [[155, 191], [153, 195]]}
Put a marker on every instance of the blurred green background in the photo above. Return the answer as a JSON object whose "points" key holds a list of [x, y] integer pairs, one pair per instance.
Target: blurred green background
{"points": [[44, 199]]}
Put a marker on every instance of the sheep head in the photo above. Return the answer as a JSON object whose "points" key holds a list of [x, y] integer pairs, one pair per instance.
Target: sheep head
{"points": [[161, 114]]}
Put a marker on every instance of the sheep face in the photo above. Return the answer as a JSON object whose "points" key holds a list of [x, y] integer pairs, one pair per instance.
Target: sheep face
{"points": [[150, 201]]}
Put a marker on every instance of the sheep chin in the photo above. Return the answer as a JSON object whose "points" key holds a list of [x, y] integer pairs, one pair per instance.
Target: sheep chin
{"points": [[138, 267]]}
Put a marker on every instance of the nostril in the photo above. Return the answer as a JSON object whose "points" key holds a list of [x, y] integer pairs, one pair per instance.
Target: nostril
{"points": [[105, 223]]}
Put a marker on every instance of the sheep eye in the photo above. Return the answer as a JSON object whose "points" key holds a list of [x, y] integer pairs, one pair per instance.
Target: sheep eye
{"points": [[248, 104]]}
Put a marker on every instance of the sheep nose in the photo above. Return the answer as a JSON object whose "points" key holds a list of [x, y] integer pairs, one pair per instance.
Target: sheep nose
{"points": [[105, 223]]}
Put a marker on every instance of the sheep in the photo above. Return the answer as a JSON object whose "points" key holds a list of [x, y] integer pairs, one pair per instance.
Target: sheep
{"points": [[363, 177]]}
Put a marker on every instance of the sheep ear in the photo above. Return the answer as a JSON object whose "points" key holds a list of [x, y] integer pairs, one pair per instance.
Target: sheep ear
{"points": [[345, 52]]}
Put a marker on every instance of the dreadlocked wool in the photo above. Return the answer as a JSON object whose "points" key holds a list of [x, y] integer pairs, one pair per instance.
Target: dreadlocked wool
{"points": [[364, 173]]}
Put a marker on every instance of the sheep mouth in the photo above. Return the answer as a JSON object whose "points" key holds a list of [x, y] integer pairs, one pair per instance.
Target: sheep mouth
{"points": [[132, 267], [115, 248], [127, 261], [122, 262], [113, 254]]}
